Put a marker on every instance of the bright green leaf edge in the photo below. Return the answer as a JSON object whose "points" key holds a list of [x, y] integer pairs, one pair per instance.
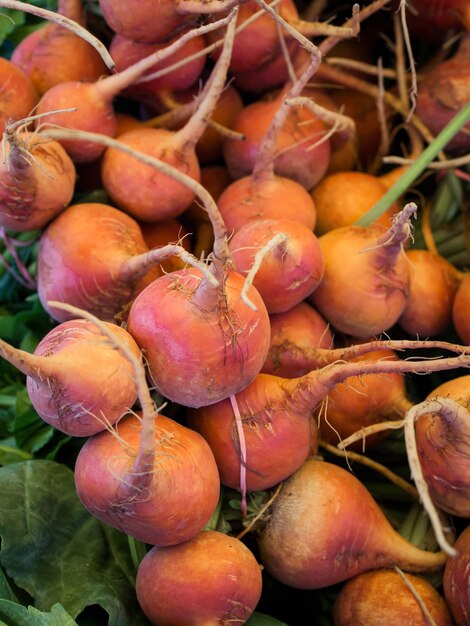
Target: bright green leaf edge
{"points": [[417, 167]]}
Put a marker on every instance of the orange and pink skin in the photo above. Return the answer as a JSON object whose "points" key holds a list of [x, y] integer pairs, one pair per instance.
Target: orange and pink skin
{"points": [[45, 56], [210, 580], [34, 190], [258, 43], [325, 527], [383, 598], [294, 336], [457, 580], [363, 400], [88, 384], [202, 344], [290, 272], [433, 285], [364, 288], [126, 52], [307, 167], [140, 189], [275, 197], [278, 437], [80, 260], [18, 95], [146, 21], [444, 452], [170, 503], [94, 113]]}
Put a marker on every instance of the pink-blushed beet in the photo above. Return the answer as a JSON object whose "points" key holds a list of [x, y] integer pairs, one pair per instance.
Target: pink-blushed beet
{"points": [[296, 158], [202, 344], [383, 598], [276, 197], [131, 19], [443, 92], [166, 505], [457, 580], [279, 435], [324, 527], [443, 449], [138, 188], [86, 258], [18, 95], [294, 334], [211, 579], [290, 272], [37, 181], [79, 383], [126, 52], [46, 53]]}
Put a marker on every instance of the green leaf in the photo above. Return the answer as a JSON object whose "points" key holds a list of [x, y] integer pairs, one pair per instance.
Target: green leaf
{"points": [[53, 549], [6, 592], [9, 21], [17, 615], [31, 432], [259, 619]]}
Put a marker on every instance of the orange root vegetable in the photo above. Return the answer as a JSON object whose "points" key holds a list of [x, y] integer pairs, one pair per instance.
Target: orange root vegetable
{"points": [[303, 152], [276, 417], [278, 438], [172, 496], [363, 400], [94, 256], [280, 139], [293, 334], [18, 95], [37, 180], [45, 53], [249, 199], [149, 195], [460, 309], [93, 102], [126, 53], [456, 580], [201, 344], [433, 285], [263, 194], [259, 42], [77, 381], [387, 597], [365, 285], [290, 272], [131, 20], [443, 450], [222, 582], [301, 547], [343, 197], [443, 91]]}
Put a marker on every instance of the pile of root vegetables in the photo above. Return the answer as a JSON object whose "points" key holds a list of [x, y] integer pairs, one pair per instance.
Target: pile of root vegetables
{"points": [[254, 285]]}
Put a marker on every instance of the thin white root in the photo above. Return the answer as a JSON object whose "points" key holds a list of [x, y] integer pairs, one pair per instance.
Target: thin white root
{"points": [[435, 405], [278, 240]]}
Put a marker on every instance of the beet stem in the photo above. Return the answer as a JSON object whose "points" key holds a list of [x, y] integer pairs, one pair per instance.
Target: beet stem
{"points": [[112, 85]]}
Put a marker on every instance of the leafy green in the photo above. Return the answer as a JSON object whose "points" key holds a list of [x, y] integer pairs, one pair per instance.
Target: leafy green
{"points": [[12, 614], [53, 549]]}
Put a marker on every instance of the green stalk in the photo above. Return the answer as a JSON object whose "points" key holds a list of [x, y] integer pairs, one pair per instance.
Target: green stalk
{"points": [[417, 167]]}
